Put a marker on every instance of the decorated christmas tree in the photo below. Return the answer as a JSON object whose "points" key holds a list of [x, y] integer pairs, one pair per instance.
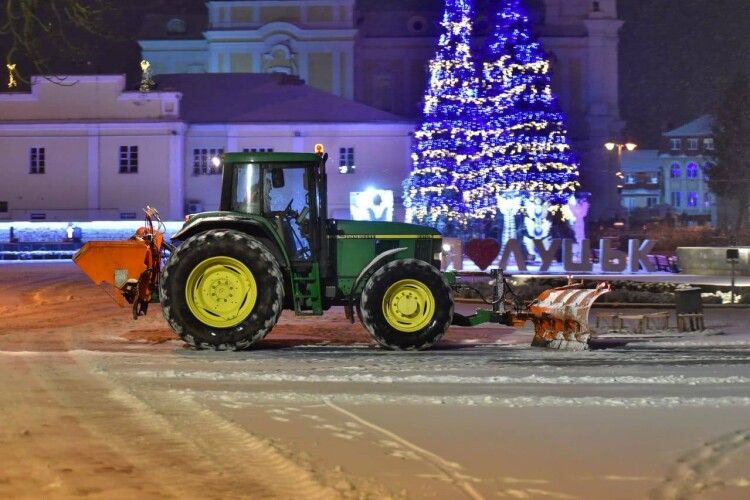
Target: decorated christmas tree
{"points": [[446, 141], [525, 153]]}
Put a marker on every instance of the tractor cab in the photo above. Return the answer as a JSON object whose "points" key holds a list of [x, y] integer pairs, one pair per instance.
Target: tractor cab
{"points": [[281, 188]]}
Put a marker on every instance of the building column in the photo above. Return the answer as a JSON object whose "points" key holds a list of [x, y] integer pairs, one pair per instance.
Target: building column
{"points": [[93, 172], [603, 113], [177, 173]]}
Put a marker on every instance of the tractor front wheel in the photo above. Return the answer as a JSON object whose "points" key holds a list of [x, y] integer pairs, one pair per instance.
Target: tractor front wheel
{"points": [[221, 290], [407, 305]]}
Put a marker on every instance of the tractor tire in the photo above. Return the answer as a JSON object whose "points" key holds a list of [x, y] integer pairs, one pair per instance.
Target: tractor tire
{"points": [[222, 290], [407, 305]]}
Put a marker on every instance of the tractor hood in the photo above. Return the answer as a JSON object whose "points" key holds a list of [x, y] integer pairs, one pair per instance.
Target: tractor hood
{"points": [[375, 229]]}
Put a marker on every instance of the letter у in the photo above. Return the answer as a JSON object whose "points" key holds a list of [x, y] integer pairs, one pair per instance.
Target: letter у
{"points": [[547, 254], [585, 266], [611, 259], [512, 247], [638, 255]]}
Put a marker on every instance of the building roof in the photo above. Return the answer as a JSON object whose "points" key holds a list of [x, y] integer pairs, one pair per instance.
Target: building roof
{"points": [[698, 127], [173, 27], [264, 98], [640, 160]]}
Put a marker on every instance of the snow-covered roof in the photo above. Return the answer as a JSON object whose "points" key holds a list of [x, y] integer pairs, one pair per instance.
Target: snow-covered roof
{"points": [[264, 98], [698, 127], [640, 160]]}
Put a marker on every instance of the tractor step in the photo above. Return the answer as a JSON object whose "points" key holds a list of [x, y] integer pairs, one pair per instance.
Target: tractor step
{"points": [[308, 299]]}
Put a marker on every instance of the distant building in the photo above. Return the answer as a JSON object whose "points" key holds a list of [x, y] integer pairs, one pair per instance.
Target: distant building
{"points": [[643, 184], [89, 149], [684, 154], [376, 52]]}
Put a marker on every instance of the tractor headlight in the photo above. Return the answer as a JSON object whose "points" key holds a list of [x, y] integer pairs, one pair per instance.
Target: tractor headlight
{"points": [[437, 256]]}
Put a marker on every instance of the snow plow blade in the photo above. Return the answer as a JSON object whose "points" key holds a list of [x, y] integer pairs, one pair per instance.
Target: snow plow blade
{"points": [[115, 263], [560, 316]]}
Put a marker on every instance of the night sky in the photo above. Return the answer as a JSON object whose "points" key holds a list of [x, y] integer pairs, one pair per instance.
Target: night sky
{"points": [[675, 55]]}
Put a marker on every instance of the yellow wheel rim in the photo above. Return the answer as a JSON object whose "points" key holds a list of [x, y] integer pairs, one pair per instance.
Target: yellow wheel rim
{"points": [[408, 305], [221, 292]]}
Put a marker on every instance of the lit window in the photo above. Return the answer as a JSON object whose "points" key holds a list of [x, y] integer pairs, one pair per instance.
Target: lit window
{"points": [[676, 170], [202, 161], [630, 179], [692, 171], [676, 144], [693, 144], [654, 179], [37, 161], [346, 161], [128, 159], [676, 199], [707, 200], [692, 199], [708, 143]]}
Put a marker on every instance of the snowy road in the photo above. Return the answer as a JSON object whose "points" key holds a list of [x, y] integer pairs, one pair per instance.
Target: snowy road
{"points": [[93, 404]]}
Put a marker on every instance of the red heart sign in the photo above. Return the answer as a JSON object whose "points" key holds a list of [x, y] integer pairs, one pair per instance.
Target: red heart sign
{"points": [[482, 252]]}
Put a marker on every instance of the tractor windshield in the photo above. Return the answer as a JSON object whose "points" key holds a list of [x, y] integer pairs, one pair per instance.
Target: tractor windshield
{"points": [[246, 195]]}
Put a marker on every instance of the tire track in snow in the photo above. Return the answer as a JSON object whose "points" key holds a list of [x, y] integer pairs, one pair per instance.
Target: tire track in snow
{"points": [[223, 444], [451, 470], [696, 472]]}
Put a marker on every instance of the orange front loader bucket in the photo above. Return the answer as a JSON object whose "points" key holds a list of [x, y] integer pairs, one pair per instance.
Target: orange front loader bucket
{"points": [[131, 266], [116, 263]]}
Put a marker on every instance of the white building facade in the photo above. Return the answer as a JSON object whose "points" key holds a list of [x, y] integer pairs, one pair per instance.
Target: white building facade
{"points": [[376, 52], [90, 150]]}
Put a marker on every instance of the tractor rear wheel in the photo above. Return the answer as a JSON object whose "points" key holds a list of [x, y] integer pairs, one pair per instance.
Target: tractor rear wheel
{"points": [[407, 305], [221, 290]]}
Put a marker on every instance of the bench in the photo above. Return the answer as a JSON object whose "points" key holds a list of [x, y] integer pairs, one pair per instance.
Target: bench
{"points": [[661, 263], [653, 320], [690, 322], [608, 317], [639, 321]]}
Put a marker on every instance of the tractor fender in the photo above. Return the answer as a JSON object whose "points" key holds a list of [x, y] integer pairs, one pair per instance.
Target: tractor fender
{"points": [[374, 264], [247, 226]]}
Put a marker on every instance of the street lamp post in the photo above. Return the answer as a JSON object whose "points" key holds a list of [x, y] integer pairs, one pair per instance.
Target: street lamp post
{"points": [[612, 146]]}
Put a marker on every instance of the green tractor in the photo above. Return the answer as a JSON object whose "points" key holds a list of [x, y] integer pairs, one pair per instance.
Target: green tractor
{"points": [[271, 246]]}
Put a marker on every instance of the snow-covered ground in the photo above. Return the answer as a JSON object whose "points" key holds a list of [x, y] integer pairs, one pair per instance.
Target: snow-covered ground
{"points": [[93, 403]]}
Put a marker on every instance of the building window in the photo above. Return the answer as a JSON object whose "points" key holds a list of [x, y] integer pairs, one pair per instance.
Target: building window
{"points": [[676, 144], [257, 150], [417, 24], [346, 161], [3, 207], [708, 143], [693, 144], [675, 172], [707, 200], [128, 159], [692, 171], [203, 161], [654, 179], [37, 161], [630, 179], [692, 199], [676, 199], [651, 201]]}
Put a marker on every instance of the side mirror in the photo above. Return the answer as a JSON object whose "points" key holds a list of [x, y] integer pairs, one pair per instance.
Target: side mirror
{"points": [[277, 178]]}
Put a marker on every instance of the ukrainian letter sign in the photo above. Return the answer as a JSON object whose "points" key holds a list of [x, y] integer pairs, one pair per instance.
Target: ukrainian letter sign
{"points": [[611, 259]]}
